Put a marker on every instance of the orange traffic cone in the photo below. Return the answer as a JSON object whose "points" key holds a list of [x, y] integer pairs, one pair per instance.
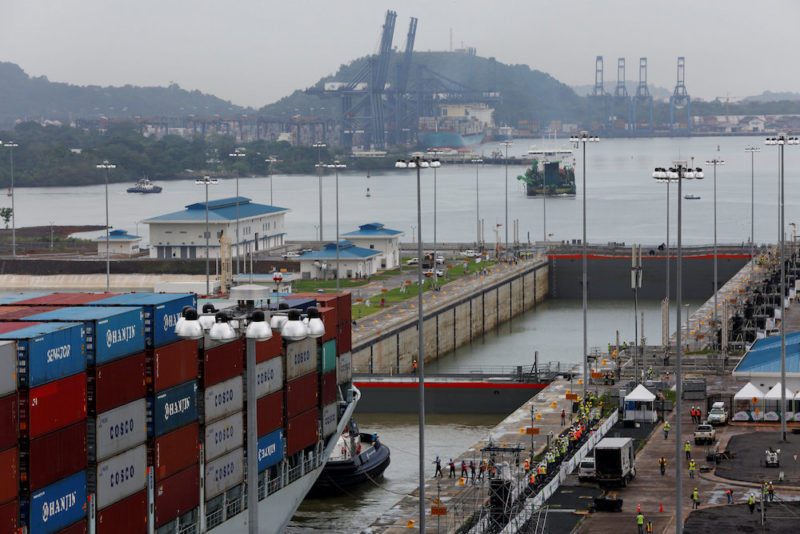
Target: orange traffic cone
{"points": [[660, 508]]}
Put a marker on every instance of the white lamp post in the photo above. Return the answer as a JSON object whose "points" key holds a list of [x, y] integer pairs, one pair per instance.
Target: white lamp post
{"points": [[10, 145], [582, 139], [269, 161], [782, 140], [752, 150], [715, 162], [418, 164], [107, 166], [319, 147], [237, 153], [206, 181], [477, 163], [506, 144], [678, 173], [336, 166]]}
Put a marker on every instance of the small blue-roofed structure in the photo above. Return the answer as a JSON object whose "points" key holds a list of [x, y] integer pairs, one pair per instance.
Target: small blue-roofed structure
{"points": [[181, 234], [119, 242], [354, 262], [761, 365], [376, 236]]}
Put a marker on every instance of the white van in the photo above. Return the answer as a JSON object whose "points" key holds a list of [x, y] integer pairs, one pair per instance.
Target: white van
{"points": [[586, 469], [718, 414]]}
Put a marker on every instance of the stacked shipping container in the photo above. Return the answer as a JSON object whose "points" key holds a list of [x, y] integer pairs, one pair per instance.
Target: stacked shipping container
{"points": [[151, 398]]}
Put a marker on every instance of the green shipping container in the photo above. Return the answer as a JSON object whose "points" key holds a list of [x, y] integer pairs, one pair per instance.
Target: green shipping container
{"points": [[328, 358]]}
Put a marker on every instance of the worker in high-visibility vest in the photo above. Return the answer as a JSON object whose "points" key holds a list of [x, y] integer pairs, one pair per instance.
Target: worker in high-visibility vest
{"points": [[687, 448], [692, 468], [526, 465], [640, 522], [695, 499]]}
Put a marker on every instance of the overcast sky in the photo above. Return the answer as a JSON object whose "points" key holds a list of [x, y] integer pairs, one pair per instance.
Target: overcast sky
{"points": [[255, 51]]}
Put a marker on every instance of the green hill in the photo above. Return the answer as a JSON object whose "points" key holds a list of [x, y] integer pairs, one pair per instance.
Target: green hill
{"points": [[525, 93], [27, 98]]}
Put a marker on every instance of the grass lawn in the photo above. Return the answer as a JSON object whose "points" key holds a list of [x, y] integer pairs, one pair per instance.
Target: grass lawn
{"points": [[394, 296], [305, 286]]}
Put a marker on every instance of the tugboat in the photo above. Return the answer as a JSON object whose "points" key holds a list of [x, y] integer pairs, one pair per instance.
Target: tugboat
{"points": [[144, 185], [691, 197], [358, 457]]}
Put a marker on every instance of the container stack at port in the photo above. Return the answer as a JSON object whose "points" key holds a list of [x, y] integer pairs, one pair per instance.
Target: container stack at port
{"points": [[100, 399]]}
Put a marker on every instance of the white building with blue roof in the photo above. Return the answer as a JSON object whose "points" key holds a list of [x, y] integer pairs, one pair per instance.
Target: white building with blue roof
{"points": [[120, 242], [376, 236], [180, 234], [354, 262]]}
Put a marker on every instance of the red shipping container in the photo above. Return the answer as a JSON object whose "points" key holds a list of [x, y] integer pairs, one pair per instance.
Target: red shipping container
{"points": [[330, 321], [53, 405], [13, 313], [9, 474], [344, 307], [57, 455], [269, 412], [65, 299], [11, 326], [328, 388], [344, 341], [302, 394], [176, 451], [271, 348], [173, 364], [117, 383], [302, 431], [177, 495], [223, 362], [79, 527], [8, 421], [128, 516], [9, 516]]}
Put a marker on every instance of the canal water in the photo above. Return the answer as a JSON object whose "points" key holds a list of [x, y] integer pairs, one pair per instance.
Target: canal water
{"points": [[554, 328], [623, 202]]}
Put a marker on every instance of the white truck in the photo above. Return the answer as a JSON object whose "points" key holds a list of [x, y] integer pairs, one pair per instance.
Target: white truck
{"points": [[704, 433], [718, 414], [614, 461]]}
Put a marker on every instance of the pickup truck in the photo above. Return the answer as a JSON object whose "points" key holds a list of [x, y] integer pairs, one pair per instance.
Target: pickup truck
{"points": [[704, 433], [718, 415]]}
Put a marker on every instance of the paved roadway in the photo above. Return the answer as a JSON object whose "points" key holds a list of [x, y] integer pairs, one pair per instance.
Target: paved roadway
{"points": [[464, 500]]}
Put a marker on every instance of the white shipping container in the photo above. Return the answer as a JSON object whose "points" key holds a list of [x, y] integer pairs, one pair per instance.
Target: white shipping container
{"points": [[224, 435], [344, 368], [224, 399], [301, 358], [120, 429], [224, 473], [269, 377], [121, 476], [8, 367], [329, 421]]}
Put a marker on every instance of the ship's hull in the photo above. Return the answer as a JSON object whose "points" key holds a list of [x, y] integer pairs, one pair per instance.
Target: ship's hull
{"points": [[447, 139], [338, 476], [275, 511]]}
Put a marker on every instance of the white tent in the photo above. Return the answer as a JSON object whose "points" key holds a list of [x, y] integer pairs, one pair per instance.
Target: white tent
{"points": [[748, 403], [639, 405], [772, 409]]}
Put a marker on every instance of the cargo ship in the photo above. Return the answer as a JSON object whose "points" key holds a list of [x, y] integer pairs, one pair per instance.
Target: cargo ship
{"points": [[110, 422], [456, 126]]}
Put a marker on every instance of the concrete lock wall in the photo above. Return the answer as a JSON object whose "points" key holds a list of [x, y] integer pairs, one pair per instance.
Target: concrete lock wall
{"points": [[454, 324]]}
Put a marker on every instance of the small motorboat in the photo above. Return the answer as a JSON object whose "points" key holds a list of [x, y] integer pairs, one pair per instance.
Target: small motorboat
{"points": [[144, 185], [691, 197], [357, 458]]}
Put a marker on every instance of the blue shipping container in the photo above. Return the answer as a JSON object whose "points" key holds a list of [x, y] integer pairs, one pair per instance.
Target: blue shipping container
{"points": [[172, 408], [270, 449], [302, 304], [111, 332], [48, 351], [161, 312], [58, 505]]}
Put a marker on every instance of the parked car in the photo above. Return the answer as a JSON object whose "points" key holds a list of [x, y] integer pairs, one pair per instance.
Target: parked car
{"points": [[586, 469], [469, 253], [291, 254], [412, 261], [718, 414], [704, 433], [430, 272]]}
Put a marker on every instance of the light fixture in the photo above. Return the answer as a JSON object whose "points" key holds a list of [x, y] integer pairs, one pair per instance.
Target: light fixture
{"points": [[316, 328], [257, 327], [207, 319], [181, 319], [293, 329], [190, 327], [279, 319], [221, 330]]}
